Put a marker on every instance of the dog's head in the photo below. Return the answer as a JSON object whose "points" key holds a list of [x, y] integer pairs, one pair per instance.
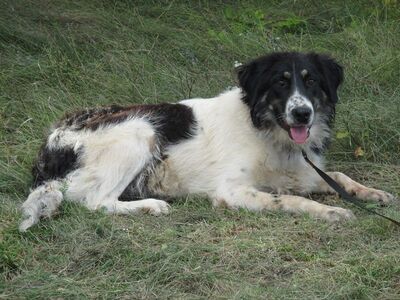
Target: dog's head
{"points": [[291, 90]]}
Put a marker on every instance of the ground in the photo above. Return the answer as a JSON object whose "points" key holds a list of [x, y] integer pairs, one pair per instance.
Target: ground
{"points": [[57, 56]]}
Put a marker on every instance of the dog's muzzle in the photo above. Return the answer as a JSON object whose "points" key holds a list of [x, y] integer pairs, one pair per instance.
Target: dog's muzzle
{"points": [[299, 118]]}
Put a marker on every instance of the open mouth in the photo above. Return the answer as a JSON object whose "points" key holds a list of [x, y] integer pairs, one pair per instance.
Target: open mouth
{"points": [[299, 134]]}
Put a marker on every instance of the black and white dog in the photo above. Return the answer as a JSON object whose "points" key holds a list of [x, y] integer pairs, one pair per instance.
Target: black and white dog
{"points": [[240, 149]]}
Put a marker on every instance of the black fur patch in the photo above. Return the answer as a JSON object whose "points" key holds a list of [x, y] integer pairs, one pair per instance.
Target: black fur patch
{"points": [[53, 164], [132, 193], [173, 122]]}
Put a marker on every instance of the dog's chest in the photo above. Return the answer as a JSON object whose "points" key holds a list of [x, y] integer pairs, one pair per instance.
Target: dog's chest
{"points": [[284, 172]]}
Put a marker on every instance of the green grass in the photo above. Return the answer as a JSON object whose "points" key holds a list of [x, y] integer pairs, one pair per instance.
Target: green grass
{"points": [[62, 55]]}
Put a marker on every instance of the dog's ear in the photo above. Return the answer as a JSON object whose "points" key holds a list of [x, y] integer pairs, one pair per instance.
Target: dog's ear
{"points": [[250, 76], [332, 73], [247, 78], [250, 73]]}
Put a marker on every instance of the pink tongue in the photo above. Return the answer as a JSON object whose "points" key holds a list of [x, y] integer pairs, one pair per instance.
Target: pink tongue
{"points": [[299, 134]]}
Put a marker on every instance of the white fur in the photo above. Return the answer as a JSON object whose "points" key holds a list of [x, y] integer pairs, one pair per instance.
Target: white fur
{"points": [[112, 157]]}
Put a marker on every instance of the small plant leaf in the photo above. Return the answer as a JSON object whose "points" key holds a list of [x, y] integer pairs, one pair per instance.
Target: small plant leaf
{"points": [[359, 152], [342, 134]]}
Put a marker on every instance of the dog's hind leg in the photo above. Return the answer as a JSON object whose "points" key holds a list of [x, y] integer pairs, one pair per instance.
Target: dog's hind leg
{"points": [[110, 162], [43, 201]]}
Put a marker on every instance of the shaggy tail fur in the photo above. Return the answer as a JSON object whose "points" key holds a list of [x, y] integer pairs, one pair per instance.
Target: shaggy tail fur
{"points": [[43, 201]]}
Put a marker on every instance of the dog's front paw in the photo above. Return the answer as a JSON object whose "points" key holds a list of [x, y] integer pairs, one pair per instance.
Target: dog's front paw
{"points": [[337, 214], [381, 197]]}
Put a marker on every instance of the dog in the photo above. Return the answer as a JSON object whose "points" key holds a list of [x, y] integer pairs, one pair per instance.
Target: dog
{"points": [[241, 149]]}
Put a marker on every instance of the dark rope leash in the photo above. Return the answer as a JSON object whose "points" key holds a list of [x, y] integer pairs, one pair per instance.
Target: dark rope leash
{"points": [[345, 196]]}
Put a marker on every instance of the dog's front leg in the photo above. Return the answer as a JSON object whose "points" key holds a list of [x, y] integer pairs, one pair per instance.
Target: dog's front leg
{"points": [[252, 199], [354, 188]]}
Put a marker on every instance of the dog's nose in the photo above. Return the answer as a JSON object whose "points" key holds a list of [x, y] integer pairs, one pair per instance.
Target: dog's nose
{"points": [[302, 114]]}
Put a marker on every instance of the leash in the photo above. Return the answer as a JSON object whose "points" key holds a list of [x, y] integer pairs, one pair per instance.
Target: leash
{"points": [[345, 196]]}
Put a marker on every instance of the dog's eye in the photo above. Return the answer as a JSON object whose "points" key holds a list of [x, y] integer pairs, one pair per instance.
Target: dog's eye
{"points": [[282, 83], [310, 82]]}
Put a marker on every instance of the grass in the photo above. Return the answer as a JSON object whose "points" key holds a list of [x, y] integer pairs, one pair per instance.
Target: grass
{"points": [[62, 55]]}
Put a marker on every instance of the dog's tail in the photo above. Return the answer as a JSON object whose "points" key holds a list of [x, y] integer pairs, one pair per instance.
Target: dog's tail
{"points": [[43, 201]]}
